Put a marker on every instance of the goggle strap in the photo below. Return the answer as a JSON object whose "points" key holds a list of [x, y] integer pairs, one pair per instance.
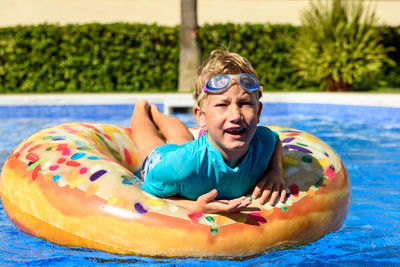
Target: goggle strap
{"points": [[199, 98]]}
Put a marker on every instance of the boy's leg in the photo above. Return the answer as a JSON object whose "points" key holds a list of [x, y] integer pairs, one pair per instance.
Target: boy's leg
{"points": [[171, 128], [144, 132]]}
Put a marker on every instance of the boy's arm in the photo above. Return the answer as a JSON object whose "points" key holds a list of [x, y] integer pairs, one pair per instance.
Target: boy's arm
{"points": [[207, 204], [272, 184]]}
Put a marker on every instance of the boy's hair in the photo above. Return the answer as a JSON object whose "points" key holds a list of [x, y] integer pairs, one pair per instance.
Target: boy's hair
{"points": [[221, 62]]}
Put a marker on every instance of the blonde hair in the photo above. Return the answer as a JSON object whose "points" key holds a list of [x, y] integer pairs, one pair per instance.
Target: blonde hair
{"points": [[221, 62]]}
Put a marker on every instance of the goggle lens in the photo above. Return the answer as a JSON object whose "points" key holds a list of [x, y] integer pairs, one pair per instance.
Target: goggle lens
{"points": [[218, 82], [248, 81], [221, 81]]}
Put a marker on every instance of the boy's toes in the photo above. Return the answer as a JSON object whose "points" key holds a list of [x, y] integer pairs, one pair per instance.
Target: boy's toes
{"points": [[154, 109], [155, 113], [141, 110], [142, 104]]}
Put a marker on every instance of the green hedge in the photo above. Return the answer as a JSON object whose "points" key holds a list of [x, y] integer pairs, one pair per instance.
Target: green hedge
{"points": [[88, 58], [143, 58], [391, 75], [266, 46]]}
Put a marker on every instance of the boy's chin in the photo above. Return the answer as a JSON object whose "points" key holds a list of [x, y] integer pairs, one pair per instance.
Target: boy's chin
{"points": [[238, 148]]}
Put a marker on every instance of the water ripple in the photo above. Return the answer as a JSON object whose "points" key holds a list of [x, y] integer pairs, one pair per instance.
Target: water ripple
{"points": [[370, 235]]}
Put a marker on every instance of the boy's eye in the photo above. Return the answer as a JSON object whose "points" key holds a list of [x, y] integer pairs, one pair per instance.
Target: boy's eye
{"points": [[220, 104], [246, 103]]}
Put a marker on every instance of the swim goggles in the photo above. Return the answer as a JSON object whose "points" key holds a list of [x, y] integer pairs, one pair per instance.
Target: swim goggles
{"points": [[220, 83]]}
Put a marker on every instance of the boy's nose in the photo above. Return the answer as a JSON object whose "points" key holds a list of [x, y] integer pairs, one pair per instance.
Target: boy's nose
{"points": [[235, 113]]}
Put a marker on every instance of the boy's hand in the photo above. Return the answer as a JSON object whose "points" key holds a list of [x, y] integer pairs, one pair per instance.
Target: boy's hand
{"points": [[271, 186], [207, 204]]}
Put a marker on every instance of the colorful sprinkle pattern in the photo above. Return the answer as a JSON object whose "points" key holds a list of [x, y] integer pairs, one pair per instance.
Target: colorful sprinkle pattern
{"points": [[100, 160]]}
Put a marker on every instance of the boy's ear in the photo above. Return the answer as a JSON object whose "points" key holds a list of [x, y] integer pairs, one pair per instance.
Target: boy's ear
{"points": [[260, 105], [199, 116]]}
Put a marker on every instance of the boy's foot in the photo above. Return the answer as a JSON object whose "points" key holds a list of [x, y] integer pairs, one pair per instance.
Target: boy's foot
{"points": [[158, 117], [141, 110], [155, 114], [142, 104]]}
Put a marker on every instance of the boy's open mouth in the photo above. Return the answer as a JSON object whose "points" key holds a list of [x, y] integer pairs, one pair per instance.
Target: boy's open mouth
{"points": [[238, 131]]}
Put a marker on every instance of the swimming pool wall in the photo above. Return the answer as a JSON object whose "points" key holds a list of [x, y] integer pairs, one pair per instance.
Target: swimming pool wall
{"points": [[380, 108]]}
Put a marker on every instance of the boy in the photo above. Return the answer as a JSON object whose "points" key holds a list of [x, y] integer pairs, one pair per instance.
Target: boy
{"points": [[212, 173]]}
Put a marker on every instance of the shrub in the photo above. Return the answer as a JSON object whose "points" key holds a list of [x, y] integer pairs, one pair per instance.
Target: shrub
{"points": [[88, 58], [339, 46], [266, 46], [390, 74], [143, 58]]}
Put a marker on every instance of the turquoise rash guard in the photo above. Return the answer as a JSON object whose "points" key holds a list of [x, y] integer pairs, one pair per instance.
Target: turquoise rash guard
{"points": [[197, 167]]}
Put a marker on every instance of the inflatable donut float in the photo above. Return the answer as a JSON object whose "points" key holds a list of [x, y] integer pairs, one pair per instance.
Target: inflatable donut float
{"points": [[74, 185]]}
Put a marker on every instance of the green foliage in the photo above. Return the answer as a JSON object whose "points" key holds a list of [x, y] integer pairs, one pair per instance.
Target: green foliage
{"points": [[390, 75], [143, 58], [88, 58], [266, 46], [339, 46]]}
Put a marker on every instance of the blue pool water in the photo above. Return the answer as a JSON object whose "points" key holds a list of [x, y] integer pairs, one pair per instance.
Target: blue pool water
{"points": [[367, 139]]}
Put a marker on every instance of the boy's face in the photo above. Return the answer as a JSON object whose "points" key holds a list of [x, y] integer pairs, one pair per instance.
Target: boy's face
{"points": [[231, 119]]}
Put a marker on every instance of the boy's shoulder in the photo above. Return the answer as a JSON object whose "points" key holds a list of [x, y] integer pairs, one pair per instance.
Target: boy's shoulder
{"points": [[264, 134], [263, 130]]}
